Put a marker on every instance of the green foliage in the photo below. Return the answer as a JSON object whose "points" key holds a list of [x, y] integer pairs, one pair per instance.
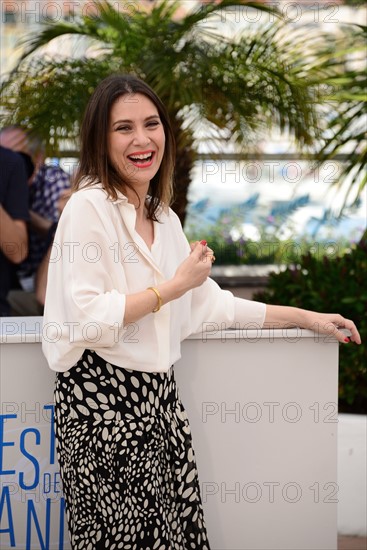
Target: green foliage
{"points": [[338, 284], [269, 250], [46, 104]]}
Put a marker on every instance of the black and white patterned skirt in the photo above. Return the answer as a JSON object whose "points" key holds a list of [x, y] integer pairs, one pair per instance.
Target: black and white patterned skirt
{"points": [[126, 460]]}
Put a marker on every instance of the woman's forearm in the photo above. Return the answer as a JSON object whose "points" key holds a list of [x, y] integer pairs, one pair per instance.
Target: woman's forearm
{"points": [[142, 303], [323, 323], [284, 316]]}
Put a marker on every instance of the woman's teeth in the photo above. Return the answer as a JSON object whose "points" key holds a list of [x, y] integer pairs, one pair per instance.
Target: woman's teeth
{"points": [[144, 158]]}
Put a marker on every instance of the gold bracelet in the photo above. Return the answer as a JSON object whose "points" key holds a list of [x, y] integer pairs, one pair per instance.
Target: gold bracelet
{"points": [[156, 292]]}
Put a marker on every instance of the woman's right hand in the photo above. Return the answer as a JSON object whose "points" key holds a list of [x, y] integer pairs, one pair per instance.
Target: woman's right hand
{"points": [[193, 271]]}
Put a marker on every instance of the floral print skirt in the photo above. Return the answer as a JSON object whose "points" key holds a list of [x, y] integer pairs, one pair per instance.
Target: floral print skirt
{"points": [[126, 460]]}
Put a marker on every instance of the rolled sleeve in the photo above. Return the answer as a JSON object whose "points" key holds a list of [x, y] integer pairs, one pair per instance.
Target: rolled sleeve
{"points": [[94, 306], [212, 306], [249, 313]]}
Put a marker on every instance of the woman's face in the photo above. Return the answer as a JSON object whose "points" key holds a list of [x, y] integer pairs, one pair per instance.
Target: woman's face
{"points": [[136, 138]]}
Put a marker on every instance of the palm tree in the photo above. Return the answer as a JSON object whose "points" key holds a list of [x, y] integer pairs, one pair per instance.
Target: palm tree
{"points": [[343, 72], [229, 86]]}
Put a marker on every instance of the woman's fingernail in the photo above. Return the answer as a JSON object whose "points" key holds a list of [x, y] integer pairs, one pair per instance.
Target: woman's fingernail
{"points": [[346, 340], [203, 243]]}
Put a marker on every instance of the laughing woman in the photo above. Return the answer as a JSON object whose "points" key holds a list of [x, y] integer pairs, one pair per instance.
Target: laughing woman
{"points": [[125, 289]]}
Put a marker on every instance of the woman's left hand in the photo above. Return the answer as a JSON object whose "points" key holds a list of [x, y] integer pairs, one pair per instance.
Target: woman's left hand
{"points": [[331, 323], [321, 323]]}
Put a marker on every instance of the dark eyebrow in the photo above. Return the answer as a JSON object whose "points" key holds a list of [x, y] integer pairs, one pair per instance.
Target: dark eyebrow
{"points": [[127, 121]]}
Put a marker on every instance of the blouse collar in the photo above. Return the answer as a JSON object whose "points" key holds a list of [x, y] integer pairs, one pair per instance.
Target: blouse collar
{"points": [[84, 184]]}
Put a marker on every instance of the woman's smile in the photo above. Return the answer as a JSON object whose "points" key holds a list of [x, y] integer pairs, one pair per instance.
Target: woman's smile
{"points": [[142, 159]]}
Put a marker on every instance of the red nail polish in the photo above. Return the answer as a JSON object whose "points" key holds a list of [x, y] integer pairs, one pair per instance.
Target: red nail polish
{"points": [[203, 243], [347, 340]]}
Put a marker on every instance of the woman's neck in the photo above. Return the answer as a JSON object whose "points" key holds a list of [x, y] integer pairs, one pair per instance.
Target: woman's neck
{"points": [[138, 200]]}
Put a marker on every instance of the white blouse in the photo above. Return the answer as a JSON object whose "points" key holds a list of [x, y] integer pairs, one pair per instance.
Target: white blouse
{"points": [[97, 259]]}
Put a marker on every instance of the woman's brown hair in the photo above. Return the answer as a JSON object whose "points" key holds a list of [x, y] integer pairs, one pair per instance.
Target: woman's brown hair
{"points": [[95, 164]]}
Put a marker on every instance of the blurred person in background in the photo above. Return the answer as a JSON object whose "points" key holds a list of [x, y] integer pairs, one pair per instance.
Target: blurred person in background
{"points": [[49, 187], [14, 216]]}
